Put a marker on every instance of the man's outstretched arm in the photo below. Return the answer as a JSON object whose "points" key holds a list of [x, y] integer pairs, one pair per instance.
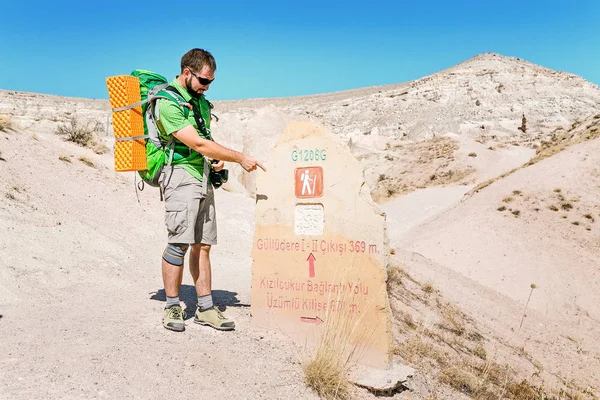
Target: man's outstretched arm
{"points": [[208, 148]]}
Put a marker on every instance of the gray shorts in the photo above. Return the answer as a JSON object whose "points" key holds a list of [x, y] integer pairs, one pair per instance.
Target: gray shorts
{"points": [[190, 216]]}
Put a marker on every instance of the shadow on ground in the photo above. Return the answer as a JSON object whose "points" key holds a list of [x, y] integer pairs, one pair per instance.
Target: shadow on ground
{"points": [[187, 294]]}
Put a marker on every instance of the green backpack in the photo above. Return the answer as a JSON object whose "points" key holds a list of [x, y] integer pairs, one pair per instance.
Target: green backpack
{"points": [[158, 153]]}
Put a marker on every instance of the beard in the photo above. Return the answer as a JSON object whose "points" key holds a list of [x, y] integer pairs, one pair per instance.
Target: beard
{"points": [[192, 92]]}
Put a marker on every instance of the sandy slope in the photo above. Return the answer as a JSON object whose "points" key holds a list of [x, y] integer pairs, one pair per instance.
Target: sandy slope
{"points": [[499, 255], [81, 298]]}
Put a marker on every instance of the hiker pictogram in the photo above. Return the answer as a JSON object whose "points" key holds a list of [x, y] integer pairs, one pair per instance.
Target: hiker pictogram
{"points": [[309, 182]]}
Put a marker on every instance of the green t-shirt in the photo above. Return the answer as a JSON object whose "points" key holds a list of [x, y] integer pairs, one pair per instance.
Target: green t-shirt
{"points": [[172, 119]]}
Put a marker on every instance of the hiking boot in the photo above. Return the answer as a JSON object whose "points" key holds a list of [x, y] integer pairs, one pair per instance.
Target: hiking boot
{"points": [[215, 318], [173, 319]]}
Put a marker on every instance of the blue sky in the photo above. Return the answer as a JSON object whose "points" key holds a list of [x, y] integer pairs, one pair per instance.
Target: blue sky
{"points": [[276, 49]]}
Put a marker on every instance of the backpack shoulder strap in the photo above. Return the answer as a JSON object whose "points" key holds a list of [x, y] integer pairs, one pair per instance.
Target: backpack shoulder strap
{"points": [[197, 114]]}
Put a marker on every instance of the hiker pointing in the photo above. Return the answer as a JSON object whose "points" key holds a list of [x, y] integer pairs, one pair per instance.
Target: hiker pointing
{"points": [[187, 184]]}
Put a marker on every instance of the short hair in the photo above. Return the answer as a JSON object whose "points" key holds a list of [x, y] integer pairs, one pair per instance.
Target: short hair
{"points": [[196, 59]]}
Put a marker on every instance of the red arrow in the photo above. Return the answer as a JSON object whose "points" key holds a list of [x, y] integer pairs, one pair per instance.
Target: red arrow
{"points": [[311, 265], [310, 320]]}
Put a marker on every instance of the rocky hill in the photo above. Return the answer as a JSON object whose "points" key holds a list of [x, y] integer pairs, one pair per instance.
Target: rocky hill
{"points": [[481, 102]]}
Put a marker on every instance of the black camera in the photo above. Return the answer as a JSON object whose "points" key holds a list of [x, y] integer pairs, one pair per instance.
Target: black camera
{"points": [[218, 178]]}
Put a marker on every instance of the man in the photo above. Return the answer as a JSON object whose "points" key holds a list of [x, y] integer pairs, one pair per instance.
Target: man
{"points": [[189, 201]]}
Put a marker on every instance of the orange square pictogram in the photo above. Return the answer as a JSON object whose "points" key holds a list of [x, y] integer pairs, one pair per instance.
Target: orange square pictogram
{"points": [[309, 182]]}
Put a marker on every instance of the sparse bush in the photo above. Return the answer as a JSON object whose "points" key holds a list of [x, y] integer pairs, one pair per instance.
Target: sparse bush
{"points": [[516, 213], [523, 127], [589, 216], [501, 208], [480, 352], [427, 288], [472, 154], [83, 134], [553, 208], [566, 206], [558, 190], [64, 158], [576, 223], [516, 192], [5, 122], [507, 199], [395, 276]]}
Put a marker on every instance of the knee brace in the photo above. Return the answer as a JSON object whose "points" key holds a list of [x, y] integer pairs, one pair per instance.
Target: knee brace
{"points": [[174, 253]]}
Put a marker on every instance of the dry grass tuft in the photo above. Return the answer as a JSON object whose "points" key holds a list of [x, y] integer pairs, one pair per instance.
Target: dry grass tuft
{"points": [[326, 375], [454, 318], [417, 349], [87, 161], [326, 372], [523, 391], [553, 208], [17, 189], [5, 123], [65, 158], [395, 276], [501, 208], [507, 199], [474, 379]]}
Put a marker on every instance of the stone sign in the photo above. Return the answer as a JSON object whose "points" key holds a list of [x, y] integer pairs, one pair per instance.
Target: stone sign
{"points": [[320, 247]]}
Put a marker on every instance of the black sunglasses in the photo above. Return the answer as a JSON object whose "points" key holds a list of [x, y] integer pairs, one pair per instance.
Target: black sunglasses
{"points": [[203, 81]]}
